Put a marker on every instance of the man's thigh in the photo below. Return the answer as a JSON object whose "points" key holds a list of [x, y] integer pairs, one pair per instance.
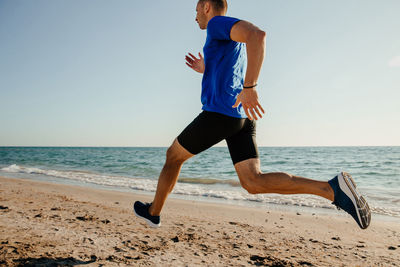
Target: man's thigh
{"points": [[242, 145], [208, 129]]}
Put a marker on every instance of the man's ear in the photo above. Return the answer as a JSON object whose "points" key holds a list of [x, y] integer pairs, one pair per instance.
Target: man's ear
{"points": [[207, 7]]}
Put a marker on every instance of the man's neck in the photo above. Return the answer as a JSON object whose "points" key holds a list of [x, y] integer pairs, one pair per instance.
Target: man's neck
{"points": [[214, 15]]}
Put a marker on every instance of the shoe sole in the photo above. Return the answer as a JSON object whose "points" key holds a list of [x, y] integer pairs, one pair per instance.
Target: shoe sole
{"points": [[363, 211], [150, 223]]}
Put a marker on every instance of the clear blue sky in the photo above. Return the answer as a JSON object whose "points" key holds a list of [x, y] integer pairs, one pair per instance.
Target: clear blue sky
{"points": [[112, 73]]}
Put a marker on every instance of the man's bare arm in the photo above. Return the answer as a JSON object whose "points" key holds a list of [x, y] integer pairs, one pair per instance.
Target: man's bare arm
{"points": [[255, 40]]}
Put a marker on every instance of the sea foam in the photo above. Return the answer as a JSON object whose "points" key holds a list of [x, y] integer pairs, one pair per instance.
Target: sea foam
{"points": [[216, 191]]}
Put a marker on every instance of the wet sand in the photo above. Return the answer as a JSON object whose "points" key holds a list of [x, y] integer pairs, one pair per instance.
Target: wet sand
{"points": [[52, 224]]}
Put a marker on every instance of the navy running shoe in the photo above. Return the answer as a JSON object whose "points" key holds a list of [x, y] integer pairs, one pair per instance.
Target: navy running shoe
{"points": [[141, 210], [350, 200]]}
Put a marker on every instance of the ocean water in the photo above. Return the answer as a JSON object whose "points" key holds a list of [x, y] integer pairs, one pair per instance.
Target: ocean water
{"points": [[211, 176]]}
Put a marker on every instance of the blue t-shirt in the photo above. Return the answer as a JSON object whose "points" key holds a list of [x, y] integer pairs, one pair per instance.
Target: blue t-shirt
{"points": [[225, 68]]}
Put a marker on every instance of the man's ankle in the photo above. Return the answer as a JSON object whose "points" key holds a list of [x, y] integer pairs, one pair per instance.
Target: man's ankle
{"points": [[151, 211], [330, 194]]}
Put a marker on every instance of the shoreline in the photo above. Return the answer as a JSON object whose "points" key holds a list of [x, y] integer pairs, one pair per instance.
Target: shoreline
{"points": [[289, 207], [374, 171], [45, 223]]}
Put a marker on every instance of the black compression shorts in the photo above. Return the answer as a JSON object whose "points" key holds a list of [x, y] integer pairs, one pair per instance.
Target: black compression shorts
{"points": [[209, 128]]}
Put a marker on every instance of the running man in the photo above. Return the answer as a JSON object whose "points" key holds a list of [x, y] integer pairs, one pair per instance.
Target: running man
{"points": [[233, 55]]}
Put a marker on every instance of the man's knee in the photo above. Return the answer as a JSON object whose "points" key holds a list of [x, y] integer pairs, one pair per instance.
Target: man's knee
{"points": [[250, 182], [249, 174], [176, 154], [173, 156]]}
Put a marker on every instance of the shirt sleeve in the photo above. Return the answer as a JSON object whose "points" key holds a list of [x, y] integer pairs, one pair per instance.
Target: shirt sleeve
{"points": [[219, 27]]}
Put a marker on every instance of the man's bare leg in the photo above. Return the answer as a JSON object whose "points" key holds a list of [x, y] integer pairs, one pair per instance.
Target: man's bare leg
{"points": [[256, 182], [176, 156]]}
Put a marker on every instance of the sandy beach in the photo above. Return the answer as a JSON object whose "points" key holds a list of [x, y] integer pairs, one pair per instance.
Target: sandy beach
{"points": [[57, 225]]}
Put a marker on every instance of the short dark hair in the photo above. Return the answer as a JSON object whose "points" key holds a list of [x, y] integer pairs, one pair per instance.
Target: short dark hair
{"points": [[218, 5]]}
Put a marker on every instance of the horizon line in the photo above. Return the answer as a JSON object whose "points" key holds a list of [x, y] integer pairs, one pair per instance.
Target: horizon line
{"points": [[61, 146]]}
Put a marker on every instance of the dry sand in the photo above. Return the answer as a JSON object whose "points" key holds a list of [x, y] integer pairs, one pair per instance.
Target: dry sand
{"points": [[56, 225]]}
